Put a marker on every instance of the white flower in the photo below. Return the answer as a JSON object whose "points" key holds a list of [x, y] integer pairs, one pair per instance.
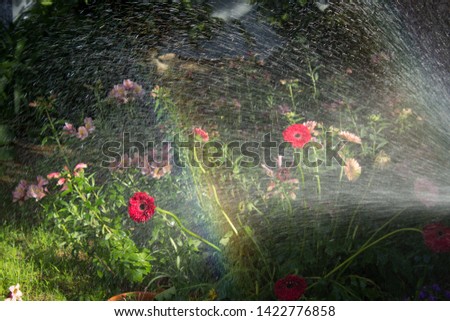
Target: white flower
{"points": [[14, 293]]}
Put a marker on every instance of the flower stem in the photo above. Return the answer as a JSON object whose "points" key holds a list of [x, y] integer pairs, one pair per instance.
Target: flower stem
{"points": [[316, 169], [55, 136], [177, 220], [198, 161], [223, 212], [303, 179]]}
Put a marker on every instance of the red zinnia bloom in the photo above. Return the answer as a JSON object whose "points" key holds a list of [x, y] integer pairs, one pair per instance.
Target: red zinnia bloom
{"points": [[298, 135], [141, 207], [200, 132], [290, 288], [437, 237]]}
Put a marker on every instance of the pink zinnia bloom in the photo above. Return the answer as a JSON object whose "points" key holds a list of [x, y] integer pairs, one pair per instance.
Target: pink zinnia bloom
{"points": [[352, 169], [311, 125], [20, 191], [89, 125], [350, 137], [82, 133], [201, 133]]}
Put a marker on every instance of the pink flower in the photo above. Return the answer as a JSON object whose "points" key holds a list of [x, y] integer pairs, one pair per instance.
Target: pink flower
{"points": [[352, 169], [36, 192], [54, 175], [311, 125], [20, 191], [89, 125], [201, 133], [127, 91], [79, 168], [128, 84], [68, 129], [82, 133], [350, 137]]}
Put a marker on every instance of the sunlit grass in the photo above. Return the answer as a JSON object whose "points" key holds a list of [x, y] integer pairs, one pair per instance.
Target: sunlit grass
{"points": [[32, 258]]}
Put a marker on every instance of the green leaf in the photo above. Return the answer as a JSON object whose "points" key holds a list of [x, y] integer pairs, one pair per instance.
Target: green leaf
{"points": [[173, 244]]}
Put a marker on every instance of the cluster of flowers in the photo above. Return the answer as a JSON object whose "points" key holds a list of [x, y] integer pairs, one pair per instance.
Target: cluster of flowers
{"points": [[14, 293], [25, 191], [299, 135], [126, 92], [146, 163], [38, 191], [437, 237], [82, 132]]}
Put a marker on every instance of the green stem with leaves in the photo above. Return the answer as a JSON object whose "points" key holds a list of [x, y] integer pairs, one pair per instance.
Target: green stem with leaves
{"points": [[316, 169], [55, 136], [184, 229]]}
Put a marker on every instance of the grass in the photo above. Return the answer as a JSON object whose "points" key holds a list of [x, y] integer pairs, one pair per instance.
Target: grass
{"points": [[32, 258]]}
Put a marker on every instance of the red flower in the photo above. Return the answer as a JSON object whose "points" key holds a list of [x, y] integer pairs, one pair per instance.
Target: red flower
{"points": [[141, 207], [200, 132], [437, 237], [290, 288], [298, 135]]}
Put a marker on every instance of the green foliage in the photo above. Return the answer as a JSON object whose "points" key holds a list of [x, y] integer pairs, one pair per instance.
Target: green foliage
{"points": [[90, 225]]}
